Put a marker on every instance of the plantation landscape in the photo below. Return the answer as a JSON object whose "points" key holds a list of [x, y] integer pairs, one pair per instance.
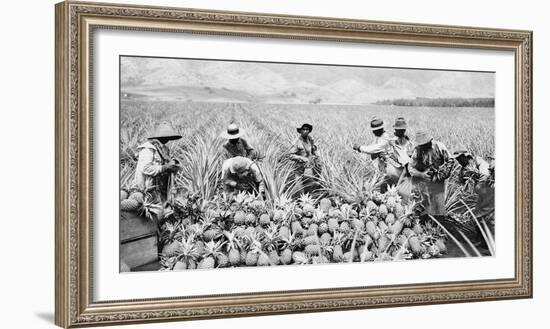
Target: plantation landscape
{"points": [[344, 220]]}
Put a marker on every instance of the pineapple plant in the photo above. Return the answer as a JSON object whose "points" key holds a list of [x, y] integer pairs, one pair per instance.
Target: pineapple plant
{"points": [[211, 252], [308, 204], [186, 253], [234, 242]]}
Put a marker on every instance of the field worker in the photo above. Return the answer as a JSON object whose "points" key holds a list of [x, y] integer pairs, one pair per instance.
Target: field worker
{"points": [[382, 153], [430, 166], [236, 145], [402, 143], [242, 174], [477, 176], [154, 165], [304, 153]]}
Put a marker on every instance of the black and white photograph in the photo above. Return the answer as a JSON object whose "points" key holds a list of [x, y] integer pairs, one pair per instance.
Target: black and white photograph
{"points": [[237, 163]]}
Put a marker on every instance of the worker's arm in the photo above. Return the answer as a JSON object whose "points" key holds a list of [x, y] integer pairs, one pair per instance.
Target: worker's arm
{"points": [[258, 177], [145, 161]]}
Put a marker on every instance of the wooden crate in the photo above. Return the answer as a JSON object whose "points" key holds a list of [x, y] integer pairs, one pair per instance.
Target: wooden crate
{"points": [[138, 241]]}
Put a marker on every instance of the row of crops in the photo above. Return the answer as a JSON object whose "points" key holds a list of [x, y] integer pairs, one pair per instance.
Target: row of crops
{"points": [[344, 220]]}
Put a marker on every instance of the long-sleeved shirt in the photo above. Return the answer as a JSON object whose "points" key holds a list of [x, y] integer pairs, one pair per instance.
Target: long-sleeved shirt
{"points": [[240, 148], [303, 148], [380, 149], [152, 155], [251, 180], [403, 149]]}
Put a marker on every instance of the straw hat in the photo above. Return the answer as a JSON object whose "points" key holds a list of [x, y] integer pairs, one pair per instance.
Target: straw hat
{"points": [[233, 132], [400, 123], [240, 164], [376, 124], [422, 137], [305, 125], [165, 130]]}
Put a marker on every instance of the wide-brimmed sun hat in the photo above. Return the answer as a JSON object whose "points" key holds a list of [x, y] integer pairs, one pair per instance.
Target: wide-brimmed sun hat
{"points": [[376, 124], [422, 137], [400, 123], [240, 164], [233, 132], [305, 125], [165, 130], [461, 150]]}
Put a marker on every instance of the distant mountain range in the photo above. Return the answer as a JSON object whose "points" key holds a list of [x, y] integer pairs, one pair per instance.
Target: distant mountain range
{"points": [[440, 102], [223, 81]]}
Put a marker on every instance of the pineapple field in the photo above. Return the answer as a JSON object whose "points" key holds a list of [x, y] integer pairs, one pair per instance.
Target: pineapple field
{"points": [[344, 219]]}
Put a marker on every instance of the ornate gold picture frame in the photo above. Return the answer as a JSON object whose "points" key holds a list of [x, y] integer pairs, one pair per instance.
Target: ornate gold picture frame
{"points": [[74, 135]]}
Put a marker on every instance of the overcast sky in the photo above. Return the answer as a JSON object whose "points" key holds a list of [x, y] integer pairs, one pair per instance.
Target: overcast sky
{"points": [[293, 83]]}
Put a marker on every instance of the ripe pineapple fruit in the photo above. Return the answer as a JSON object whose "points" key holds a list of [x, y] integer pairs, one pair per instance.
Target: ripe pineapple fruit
{"points": [[265, 219], [299, 258], [171, 249], [239, 217], [286, 256], [325, 238], [284, 232], [399, 210], [274, 257], [415, 245], [234, 257], [222, 260], [333, 225], [207, 263], [323, 228], [123, 195], [344, 227], [279, 215], [382, 211], [417, 228], [263, 259], [251, 258], [338, 254], [129, 205], [312, 229], [180, 266], [390, 219], [312, 249], [250, 219], [311, 239], [325, 205], [371, 229], [357, 224], [138, 196]]}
